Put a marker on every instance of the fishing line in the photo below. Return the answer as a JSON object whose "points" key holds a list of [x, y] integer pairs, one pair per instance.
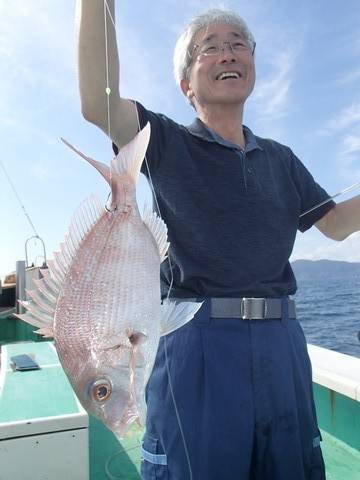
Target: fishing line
{"points": [[165, 340], [108, 91], [109, 475], [19, 200], [157, 205]]}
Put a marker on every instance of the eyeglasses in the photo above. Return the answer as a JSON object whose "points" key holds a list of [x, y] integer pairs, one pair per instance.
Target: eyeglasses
{"points": [[213, 48]]}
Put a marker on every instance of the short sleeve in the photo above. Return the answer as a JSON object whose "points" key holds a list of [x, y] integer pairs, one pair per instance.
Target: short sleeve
{"points": [[162, 130], [310, 194]]}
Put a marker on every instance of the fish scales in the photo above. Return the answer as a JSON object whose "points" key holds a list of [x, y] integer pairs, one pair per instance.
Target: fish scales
{"points": [[104, 288], [120, 265]]}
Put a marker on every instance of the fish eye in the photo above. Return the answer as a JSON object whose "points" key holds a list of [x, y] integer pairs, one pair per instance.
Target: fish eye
{"points": [[101, 390]]}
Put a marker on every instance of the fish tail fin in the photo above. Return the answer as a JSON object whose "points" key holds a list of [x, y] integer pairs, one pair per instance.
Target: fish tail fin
{"points": [[130, 157], [176, 314], [103, 169]]}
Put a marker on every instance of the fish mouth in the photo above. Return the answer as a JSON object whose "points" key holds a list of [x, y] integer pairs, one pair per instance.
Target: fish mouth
{"points": [[124, 424]]}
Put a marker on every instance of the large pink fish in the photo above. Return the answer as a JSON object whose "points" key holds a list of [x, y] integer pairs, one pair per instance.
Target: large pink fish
{"points": [[100, 297]]}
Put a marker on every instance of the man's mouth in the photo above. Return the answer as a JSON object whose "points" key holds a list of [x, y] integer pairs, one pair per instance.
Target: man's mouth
{"points": [[226, 75]]}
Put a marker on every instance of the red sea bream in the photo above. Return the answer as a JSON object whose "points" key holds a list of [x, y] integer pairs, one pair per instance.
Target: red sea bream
{"points": [[100, 297]]}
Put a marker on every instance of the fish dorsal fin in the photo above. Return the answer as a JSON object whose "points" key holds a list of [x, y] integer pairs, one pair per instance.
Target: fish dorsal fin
{"points": [[158, 229], [175, 314], [130, 157], [83, 220], [41, 308], [37, 317], [43, 288]]}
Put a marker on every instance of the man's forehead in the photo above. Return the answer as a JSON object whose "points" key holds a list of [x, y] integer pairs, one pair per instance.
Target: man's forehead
{"points": [[212, 32]]}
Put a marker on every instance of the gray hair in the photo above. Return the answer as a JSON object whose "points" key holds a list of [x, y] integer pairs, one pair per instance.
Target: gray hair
{"points": [[183, 47]]}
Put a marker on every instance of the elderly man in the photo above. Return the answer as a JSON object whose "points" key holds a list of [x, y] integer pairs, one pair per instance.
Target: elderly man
{"points": [[230, 395]]}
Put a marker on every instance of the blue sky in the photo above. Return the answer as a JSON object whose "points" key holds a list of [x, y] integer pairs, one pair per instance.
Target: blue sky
{"points": [[307, 96]]}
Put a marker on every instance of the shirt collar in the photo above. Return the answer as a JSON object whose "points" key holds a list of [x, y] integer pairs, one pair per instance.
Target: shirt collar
{"points": [[199, 129]]}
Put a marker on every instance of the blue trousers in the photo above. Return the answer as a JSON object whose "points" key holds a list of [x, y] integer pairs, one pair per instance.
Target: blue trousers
{"points": [[244, 407]]}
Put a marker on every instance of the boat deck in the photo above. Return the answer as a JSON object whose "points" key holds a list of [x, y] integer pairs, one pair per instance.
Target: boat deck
{"points": [[122, 460], [342, 462]]}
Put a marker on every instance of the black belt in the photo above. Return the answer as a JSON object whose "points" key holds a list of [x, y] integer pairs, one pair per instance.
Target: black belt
{"points": [[251, 308]]}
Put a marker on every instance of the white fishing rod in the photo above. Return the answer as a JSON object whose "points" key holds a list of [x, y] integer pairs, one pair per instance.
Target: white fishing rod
{"points": [[19, 200], [346, 190]]}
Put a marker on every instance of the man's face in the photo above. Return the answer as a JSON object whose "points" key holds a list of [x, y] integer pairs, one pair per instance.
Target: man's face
{"points": [[226, 77]]}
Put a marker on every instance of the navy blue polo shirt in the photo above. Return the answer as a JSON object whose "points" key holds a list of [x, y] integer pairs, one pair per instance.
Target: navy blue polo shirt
{"points": [[232, 214]]}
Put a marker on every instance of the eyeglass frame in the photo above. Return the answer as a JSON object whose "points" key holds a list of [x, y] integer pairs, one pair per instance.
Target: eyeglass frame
{"points": [[251, 49]]}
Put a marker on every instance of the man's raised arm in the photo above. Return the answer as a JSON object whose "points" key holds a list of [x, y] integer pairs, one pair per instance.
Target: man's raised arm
{"points": [[90, 27]]}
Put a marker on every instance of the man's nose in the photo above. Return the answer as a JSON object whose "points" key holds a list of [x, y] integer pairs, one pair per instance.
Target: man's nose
{"points": [[226, 52]]}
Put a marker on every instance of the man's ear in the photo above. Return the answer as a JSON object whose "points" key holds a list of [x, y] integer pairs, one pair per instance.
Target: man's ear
{"points": [[186, 89]]}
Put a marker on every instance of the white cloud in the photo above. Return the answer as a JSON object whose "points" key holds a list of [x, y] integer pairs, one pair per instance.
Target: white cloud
{"points": [[345, 119], [41, 172], [351, 144], [348, 77], [347, 250], [36, 51], [345, 125], [272, 92]]}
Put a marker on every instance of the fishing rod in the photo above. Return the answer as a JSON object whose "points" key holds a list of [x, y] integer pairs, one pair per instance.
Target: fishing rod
{"points": [[19, 199], [36, 235], [346, 190]]}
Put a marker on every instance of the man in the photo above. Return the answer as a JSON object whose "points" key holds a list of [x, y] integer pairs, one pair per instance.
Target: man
{"points": [[230, 395]]}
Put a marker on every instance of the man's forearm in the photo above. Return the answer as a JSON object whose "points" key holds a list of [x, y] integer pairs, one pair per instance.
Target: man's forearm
{"points": [[348, 216], [342, 220], [90, 29]]}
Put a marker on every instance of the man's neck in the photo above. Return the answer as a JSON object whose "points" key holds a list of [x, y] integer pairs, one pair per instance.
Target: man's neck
{"points": [[226, 122]]}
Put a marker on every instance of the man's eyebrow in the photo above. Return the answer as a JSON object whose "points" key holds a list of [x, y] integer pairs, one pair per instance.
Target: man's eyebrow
{"points": [[215, 35]]}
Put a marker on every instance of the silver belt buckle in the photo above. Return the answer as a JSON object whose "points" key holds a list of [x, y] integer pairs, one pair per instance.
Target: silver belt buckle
{"points": [[253, 308]]}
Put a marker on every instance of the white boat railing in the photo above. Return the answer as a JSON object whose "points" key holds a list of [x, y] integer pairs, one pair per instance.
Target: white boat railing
{"points": [[336, 371]]}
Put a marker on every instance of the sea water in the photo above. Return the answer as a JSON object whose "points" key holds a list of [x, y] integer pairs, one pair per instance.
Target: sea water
{"points": [[329, 312]]}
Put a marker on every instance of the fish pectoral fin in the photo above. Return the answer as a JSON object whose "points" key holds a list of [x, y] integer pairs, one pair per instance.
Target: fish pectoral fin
{"points": [[128, 341], [176, 314], [117, 346]]}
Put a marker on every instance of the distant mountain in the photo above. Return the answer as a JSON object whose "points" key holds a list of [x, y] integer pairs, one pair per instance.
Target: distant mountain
{"points": [[325, 268]]}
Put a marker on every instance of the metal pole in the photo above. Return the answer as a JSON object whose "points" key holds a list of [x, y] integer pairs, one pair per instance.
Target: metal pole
{"points": [[20, 285], [26, 251]]}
